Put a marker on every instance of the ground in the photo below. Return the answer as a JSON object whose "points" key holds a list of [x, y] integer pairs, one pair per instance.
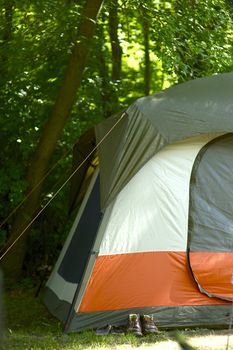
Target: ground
{"points": [[29, 326]]}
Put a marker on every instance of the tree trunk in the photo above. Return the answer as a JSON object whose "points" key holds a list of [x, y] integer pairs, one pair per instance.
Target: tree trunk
{"points": [[105, 88], [8, 6], [13, 260], [116, 54], [115, 42], [147, 63]]}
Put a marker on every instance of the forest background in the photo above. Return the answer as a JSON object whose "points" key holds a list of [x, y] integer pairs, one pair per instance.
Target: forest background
{"points": [[66, 65]]}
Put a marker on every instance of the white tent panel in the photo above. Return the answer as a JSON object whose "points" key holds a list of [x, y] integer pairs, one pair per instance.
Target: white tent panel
{"points": [[151, 212]]}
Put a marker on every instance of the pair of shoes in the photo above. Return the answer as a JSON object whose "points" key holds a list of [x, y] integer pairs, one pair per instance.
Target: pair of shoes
{"points": [[143, 324]]}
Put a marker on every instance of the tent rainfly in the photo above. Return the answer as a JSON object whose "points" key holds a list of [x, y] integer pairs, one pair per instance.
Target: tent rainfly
{"points": [[154, 232]]}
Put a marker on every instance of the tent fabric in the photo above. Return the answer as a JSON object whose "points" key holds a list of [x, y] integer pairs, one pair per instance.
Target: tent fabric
{"points": [[83, 238], [211, 193], [213, 273], [147, 253], [166, 317], [136, 281], [62, 287], [134, 242], [165, 180], [210, 220], [188, 109], [81, 161]]}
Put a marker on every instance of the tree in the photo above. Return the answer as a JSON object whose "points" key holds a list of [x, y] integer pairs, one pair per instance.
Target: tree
{"points": [[139, 48], [195, 38], [102, 56], [6, 35], [146, 36], [12, 262], [116, 54], [110, 61]]}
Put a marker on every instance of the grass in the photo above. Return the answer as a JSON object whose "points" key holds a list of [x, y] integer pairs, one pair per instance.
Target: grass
{"points": [[29, 326]]}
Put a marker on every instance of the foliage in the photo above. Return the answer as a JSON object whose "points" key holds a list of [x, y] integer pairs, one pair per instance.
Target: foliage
{"points": [[188, 39], [197, 39]]}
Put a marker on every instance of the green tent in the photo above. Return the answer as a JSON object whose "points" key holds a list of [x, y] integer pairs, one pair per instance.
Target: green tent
{"points": [[154, 232]]}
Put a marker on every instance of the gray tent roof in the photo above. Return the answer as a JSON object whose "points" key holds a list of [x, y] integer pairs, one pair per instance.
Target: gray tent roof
{"points": [[196, 107]]}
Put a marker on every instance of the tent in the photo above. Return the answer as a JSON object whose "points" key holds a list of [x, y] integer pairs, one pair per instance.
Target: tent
{"points": [[154, 232]]}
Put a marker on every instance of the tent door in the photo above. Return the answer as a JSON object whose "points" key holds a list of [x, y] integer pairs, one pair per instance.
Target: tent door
{"points": [[210, 234]]}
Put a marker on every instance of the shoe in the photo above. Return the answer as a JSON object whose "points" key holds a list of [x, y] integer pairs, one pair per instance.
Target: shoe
{"points": [[104, 330], [119, 330], [148, 324], [134, 325]]}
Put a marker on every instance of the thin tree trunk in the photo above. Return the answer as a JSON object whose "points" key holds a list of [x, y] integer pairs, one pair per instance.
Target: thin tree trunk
{"points": [[115, 42], [147, 62], [8, 6], [116, 53], [13, 261], [105, 88]]}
